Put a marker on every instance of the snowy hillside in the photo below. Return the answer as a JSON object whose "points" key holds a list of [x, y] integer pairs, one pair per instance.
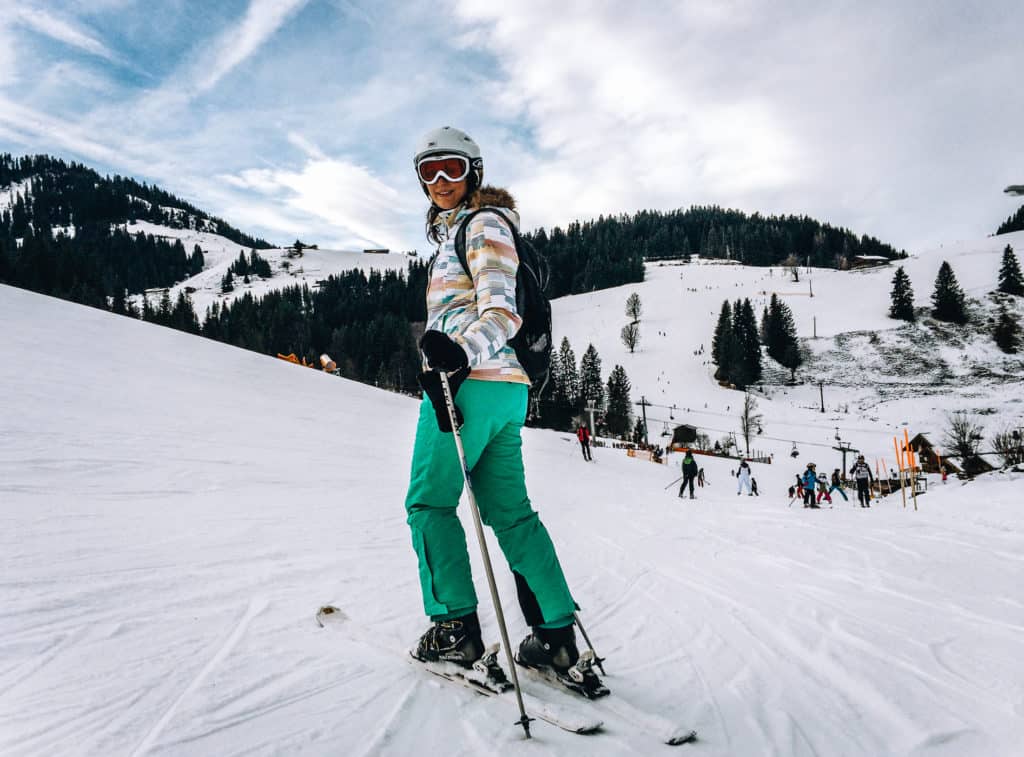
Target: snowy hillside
{"points": [[873, 368], [175, 510], [219, 253]]}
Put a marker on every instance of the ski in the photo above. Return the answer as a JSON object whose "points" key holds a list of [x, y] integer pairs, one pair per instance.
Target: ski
{"points": [[487, 679], [477, 681], [666, 731], [579, 678]]}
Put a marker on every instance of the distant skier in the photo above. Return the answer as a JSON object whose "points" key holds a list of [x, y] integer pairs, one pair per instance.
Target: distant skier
{"points": [[753, 486], [583, 434], [690, 473], [471, 316], [837, 485], [743, 479], [823, 490], [944, 472], [861, 473], [810, 482], [700, 478]]}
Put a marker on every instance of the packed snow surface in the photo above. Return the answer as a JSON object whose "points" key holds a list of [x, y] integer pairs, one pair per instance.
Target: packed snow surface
{"points": [[176, 510]]}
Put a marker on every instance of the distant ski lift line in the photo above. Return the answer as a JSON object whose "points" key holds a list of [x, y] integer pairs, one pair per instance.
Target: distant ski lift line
{"points": [[670, 408], [759, 436]]}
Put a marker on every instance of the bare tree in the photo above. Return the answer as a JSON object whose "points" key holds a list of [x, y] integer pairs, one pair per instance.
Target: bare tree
{"points": [[630, 335], [793, 264], [1009, 443], [963, 435], [750, 419], [633, 307]]}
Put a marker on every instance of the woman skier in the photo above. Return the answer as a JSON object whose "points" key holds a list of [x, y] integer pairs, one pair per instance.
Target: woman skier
{"points": [[471, 315], [743, 479]]}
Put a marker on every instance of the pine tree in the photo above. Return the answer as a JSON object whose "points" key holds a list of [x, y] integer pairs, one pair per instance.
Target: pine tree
{"points": [[568, 375], [1007, 330], [722, 343], [780, 336], [1010, 279], [618, 414], [591, 383], [902, 297], [745, 368], [948, 299]]}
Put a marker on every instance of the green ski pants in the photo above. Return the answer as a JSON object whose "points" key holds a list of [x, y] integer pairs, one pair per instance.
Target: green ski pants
{"points": [[494, 412]]}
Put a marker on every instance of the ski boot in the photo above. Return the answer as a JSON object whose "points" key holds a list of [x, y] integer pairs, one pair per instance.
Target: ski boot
{"points": [[457, 641], [552, 653]]}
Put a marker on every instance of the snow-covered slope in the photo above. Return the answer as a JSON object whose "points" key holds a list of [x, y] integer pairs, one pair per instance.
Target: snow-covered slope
{"points": [[870, 392], [9, 193], [219, 253], [174, 511]]}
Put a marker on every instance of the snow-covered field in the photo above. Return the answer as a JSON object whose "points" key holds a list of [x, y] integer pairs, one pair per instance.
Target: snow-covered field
{"points": [[219, 253], [174, 511]]}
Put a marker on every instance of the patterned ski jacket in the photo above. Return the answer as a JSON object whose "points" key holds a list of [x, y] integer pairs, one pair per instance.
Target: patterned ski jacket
{"points": [[478, 309]]}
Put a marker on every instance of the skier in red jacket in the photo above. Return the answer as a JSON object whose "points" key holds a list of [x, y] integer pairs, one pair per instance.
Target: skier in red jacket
{"points": [[583, 434]]}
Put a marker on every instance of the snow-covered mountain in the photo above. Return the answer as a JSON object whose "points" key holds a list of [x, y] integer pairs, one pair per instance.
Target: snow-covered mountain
{"points": [[175, 510], [288, 268], [880, 375]]}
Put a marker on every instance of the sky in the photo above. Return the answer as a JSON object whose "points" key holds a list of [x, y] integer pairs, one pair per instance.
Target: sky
{"points": [[299, 118]]}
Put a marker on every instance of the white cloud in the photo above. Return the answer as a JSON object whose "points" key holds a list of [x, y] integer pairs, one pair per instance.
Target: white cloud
{"points": [[616, 108], [306, 145], [330, 193], [60, 29], [8, 68], [840, 113], [262, 19]]}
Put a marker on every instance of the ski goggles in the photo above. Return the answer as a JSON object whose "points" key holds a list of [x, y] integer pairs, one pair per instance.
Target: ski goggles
{"points": [[451, 167]]}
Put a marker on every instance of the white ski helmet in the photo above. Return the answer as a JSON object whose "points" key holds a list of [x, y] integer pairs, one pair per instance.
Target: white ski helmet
{"points": [[451, 141]]}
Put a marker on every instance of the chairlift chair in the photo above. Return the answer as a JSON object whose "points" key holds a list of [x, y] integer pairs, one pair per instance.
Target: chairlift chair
{"points": [[794, 452]]}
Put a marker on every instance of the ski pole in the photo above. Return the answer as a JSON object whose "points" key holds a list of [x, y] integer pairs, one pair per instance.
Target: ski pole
{"points": [[586, 638], [678, 479], [524, 721]]}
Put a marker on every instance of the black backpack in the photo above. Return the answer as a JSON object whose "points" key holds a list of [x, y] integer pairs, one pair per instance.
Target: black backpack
{"points": [[532, 342]]}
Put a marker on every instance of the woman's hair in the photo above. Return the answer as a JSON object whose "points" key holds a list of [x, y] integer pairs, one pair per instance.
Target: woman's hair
{"points": [[471, 200]]}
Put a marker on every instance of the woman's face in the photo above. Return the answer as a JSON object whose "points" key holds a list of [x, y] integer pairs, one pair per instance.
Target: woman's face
{"points": [[447, 194]]}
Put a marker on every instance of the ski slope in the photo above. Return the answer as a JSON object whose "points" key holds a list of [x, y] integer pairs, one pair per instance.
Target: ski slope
{"points": [[219, 253], [175, 510], [880, 375]]}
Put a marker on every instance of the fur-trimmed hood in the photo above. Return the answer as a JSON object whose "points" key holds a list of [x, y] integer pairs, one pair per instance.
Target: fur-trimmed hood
{"points": [[495, 197], [498, 197], [487, 197]]}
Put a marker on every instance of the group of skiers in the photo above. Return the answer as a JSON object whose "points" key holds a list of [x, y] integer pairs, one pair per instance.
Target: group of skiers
{"points": [[811, 482]]}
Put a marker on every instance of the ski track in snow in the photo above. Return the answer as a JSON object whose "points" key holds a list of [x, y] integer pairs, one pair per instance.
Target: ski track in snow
{"points": [[256, 606]]}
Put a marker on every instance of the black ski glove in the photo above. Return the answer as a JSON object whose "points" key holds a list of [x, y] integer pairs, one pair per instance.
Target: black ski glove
{"points": [[430, 382], [443, 352]]}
